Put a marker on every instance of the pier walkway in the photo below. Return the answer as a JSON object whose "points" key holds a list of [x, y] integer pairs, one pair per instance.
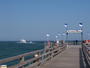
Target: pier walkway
{"points": [[70, 58]]}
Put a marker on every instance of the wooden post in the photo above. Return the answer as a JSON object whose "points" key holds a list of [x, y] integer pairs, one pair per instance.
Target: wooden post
{"points": [[21, 61]]}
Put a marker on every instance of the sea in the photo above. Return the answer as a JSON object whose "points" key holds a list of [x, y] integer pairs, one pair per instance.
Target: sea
{"points": [[13, 48]]}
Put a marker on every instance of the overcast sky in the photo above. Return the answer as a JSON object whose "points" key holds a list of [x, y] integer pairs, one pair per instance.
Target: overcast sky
{"points": [[33, 19]]}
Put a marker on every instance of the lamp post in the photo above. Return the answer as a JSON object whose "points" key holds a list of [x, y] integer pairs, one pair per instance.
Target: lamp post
{"points": [[56, 37], [57, 40], [45, 46], [47, 35], [62, 36], [66, 27], [59, 35], [81, 28], [48, 41]]}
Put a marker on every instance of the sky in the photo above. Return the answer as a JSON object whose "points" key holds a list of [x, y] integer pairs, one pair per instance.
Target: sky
{"points": [[33, 19]]}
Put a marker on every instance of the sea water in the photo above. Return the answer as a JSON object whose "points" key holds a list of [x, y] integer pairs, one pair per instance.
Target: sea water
{"points": [[13, 48]]}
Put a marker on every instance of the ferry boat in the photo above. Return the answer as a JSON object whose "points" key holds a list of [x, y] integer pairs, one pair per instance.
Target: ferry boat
{"points": [[23, 41]]}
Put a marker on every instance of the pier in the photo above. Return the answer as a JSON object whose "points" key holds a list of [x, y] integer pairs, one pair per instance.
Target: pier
{"points": [[70, 58], [66, 56], [56, 54]]}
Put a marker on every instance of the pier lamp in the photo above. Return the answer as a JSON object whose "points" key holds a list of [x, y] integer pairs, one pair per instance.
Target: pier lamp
{"points": [[57, 41], [66, 27], [59, 35], [48, 41], [47, 35], [63, 35], [56, 37], [81, 28], [81, 25]]}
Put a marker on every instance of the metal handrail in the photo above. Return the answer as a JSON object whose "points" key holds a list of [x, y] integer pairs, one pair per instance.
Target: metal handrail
{"points": [[18, 56], [86, 51], [49, 53]]}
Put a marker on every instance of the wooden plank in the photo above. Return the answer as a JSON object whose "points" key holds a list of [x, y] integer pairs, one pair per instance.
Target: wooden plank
{"points": [[70, 58]]}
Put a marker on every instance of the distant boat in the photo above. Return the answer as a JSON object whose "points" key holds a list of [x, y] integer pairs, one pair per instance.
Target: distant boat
{"points": [[23, 41]]}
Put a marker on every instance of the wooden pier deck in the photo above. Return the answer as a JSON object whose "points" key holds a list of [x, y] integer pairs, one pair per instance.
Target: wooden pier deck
{"points": [[70, 58]]}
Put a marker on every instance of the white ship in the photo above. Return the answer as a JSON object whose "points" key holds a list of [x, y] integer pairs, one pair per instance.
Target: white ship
{"points": [[23, 41]]}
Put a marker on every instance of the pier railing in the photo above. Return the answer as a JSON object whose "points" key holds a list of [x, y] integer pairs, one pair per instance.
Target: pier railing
{"points": [[86, 51], [32, 59]]}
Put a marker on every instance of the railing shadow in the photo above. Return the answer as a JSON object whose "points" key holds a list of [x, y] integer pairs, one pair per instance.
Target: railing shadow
{"points": [[83, 63], [81, 59]]}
